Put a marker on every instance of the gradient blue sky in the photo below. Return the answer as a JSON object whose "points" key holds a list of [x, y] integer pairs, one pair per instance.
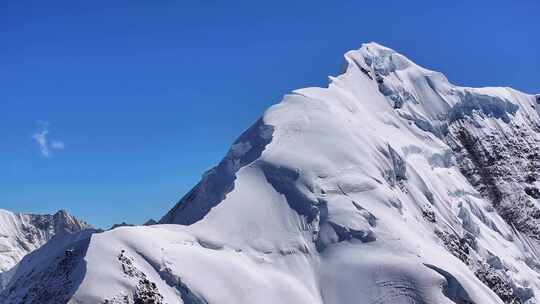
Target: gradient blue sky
{"points": [[140, 97]]}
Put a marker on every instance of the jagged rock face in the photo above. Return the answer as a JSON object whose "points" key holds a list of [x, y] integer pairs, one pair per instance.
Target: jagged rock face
{"points": [[21, 234], [51, 273], [504, 165], [391, 186]]}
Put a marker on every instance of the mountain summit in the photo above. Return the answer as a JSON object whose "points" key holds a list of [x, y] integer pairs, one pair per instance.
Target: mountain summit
{"points": [[22, 233], [390, 186]]}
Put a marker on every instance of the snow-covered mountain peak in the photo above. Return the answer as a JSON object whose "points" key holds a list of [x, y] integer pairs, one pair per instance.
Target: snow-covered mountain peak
{"points": [[22, 233], [391, 185], [384, 124], [383, 59], [419, 93]]}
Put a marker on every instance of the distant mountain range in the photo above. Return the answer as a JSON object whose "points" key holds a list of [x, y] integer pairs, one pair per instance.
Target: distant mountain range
{"points": [[22, 233]]}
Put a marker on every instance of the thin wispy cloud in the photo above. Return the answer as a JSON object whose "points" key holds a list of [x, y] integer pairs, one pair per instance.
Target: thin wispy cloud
{"points": [[57, 145], [41, 137]]}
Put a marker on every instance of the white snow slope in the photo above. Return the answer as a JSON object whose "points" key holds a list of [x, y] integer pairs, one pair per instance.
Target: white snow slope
{"points": [[22, 233], [390, 186]]}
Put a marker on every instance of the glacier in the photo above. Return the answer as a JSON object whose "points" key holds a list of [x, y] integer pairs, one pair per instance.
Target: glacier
{"points": [[391, 185]]}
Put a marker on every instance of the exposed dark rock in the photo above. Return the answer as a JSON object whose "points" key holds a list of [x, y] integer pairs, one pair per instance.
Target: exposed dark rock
{"points": [[150, 222], [429, 214], [54, 280], [166, 274], [123, 224], [146, 291], [532, 192], [498, 164], [457, 246], [497, 283]]}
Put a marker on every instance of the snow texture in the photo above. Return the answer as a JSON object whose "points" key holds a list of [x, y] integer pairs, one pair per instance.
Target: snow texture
{"points": [[21, 233], [390, 186]]}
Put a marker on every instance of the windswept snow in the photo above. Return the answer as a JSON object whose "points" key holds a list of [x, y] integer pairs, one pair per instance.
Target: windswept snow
{"points": [[389, 186]]}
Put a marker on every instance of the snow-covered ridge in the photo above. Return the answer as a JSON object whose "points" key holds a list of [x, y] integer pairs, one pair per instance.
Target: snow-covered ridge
{"points": [[22, 233], [390, 186]]}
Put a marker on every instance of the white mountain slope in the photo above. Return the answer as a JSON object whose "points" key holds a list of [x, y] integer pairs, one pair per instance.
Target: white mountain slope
{"points": [[390, 186], [21, 234]]}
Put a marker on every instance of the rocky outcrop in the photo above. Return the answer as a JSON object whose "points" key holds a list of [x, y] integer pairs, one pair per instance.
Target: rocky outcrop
{"points": [[50, 281], [503, 164]]}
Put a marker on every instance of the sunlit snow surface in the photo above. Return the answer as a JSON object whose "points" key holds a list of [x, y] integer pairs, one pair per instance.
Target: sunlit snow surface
{"points": [[22, 233], [346, 194]]}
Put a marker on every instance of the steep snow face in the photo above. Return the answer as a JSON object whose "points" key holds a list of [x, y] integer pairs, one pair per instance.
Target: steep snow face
{"points": [[21, 234], [390, 186]]}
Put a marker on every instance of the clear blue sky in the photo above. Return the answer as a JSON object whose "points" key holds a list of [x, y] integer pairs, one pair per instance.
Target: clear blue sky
{"points": [[140, 97]]}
